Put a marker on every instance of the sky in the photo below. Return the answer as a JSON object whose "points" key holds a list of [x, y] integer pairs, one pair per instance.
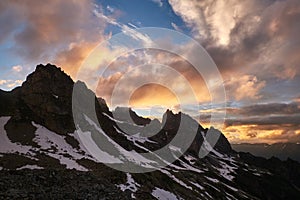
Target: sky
{"points": [[255, 45]]}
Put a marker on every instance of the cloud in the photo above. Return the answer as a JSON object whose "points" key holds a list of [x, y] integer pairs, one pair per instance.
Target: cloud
{"points": [[46, 30], [268, 109], [17, 68], [134, 66], [72, 58], [154, 95], [106, 85], [138, 36], [206, 20], [258, 37], [270, 120], [267, 122], [263, 133], [10, 83], [144, 86], [2, 82], [297, 99], [244, 87], [260, 114], [175, 27], [158, 2], [110, 9], [13, 84]]}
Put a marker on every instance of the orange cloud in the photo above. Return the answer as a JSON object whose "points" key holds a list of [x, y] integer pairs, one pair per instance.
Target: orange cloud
{"points": [[179, 70], [71, 59], [244, 87], [153, 94], [62, 32], [262, 133]]}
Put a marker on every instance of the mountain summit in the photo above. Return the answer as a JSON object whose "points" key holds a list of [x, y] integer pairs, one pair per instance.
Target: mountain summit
{"points": [[42, 155]]}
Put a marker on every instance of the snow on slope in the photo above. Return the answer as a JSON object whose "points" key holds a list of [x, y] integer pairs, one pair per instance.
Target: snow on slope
{"points": [[163, 194], [99, 155], [50, 143], [30, 167], [130, 185], [124, 155], [55, 146]]}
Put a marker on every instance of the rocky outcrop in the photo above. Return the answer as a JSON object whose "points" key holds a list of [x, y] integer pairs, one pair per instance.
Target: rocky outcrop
{"points": [[222, 144], [8, 101], [47, 93], [46, 98], [128, 115]]}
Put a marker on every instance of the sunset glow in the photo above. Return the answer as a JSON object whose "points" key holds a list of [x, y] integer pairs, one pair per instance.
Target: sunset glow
{"points": [[254, 44]]}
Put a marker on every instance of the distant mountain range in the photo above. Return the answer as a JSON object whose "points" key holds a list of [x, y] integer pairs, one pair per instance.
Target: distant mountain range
{"points": [[42, 157], [282, 151]]}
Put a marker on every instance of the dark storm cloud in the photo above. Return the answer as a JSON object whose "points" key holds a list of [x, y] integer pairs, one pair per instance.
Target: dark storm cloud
{"points": [[268, 109], [265, 120], [265, 114]]}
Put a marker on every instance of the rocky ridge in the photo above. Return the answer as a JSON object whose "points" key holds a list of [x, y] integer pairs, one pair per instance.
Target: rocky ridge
{"points": [[39, 137]]}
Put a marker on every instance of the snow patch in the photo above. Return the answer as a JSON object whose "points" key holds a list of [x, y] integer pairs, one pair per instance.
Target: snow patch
{"points": [[129, 185], [197, 185], [212, 179], [125, 155], [209, 148], [30, 167], [191, 159], [174, 148], [135, 138], [226, 171], [93, 149], [176, 179], [48, 140], [163, 194], [232, 188], [190, 168], [112, 119]]}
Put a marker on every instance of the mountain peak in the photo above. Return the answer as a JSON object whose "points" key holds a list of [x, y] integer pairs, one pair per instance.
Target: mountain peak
{"points": [[121, 113], [46, 96], [48, 66], [48, 73]]}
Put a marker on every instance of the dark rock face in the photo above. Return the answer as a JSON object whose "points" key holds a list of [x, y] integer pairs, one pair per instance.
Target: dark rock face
{"points": [[222, 144], [102, 104], [45, 98], [128, 115], [171, 124], [20, 131], [8, 101], [47, 93]]}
